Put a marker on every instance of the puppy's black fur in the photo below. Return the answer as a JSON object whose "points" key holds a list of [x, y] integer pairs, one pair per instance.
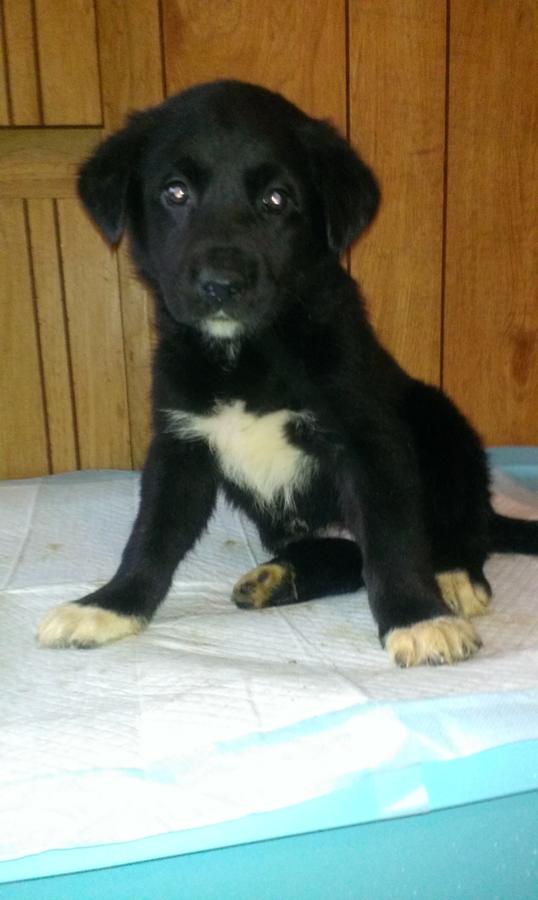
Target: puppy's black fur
{"points": [[269, 381]]}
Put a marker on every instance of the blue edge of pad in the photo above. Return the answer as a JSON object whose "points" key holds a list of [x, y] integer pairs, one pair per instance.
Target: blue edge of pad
{"points": [[336, 842]]}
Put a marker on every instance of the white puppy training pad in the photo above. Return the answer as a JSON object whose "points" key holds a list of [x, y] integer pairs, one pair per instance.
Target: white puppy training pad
{"points": [[214, 713]]}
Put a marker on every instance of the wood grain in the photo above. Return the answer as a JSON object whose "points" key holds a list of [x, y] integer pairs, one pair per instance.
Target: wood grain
{"points": [[296, 48], [21, 62], [76, 325], [4, 87], [491, 318], [53, 335], [23, 439], [96, 341], [130, 54], [68, 62], [397, 109], [38, 162]]}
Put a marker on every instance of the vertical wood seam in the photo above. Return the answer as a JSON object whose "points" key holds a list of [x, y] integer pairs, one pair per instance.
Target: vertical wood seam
{"points": [[444, 236], [99, 67], [67, 334], [164, 74], [347, 76], [39, 346], [37, 64], [347, 67], [9, 100]]}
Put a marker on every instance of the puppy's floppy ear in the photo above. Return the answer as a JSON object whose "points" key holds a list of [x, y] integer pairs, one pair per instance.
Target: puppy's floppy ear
{"points": [[104, 178], [348, 189]]}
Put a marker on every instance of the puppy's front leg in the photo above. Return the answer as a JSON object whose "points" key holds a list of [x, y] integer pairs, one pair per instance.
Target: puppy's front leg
{"points": [[382, 508], [177, 498]]}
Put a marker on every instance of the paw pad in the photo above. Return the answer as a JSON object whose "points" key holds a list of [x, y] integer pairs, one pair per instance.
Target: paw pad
{"points": [[271, 584]]}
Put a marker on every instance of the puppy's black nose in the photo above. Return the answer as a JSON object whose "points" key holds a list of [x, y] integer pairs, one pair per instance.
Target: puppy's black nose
{"points": [[221, 288]]}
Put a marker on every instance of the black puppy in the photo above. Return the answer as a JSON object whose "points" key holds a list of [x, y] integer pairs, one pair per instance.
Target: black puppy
{"points": [[269, 382]]}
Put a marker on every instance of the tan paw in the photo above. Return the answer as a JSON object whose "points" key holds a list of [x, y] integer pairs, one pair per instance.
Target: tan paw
{"points": [[270, 584], [73, 625], [434, 642], [463, 596]]}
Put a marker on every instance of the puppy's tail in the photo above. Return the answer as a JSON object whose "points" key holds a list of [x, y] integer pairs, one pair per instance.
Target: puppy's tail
{"points": [[513, 535]]}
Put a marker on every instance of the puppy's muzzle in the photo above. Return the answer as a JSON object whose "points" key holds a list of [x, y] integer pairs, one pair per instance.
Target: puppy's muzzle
{"points": [[223, 275]]}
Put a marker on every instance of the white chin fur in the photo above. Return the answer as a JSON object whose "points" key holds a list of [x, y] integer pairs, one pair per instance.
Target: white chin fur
{"points": [[221, 328]]}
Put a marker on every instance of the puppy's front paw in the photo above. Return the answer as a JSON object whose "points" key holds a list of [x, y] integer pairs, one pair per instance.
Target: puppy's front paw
{"points": [[433, 642], [271, 584], [73, 625]]}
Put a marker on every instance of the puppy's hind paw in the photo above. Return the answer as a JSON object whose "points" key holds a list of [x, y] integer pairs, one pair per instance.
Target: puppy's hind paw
{"points": [[433, 642], [463, 596], [75, 625], [271, 584]]}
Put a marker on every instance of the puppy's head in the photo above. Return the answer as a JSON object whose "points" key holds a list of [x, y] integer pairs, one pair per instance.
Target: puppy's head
{"points": [[229, 193]]}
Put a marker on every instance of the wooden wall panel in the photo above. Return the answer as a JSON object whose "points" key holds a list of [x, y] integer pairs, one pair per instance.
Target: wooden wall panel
{"points": [[491, 322], [397, 118], [4, 98], [295, 48], [23, 438], [21, 62], [37, 162], [96, 341], [130, 52], [49, 300], [78, 352], [68, 62], [35, 165], [77, 328]]}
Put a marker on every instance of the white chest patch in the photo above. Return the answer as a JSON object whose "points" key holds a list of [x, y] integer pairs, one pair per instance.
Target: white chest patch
{"points": [[253, 451]]}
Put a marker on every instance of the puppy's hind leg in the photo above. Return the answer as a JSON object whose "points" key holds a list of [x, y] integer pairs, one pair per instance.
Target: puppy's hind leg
{"points": [[455, 484], [303, 570]]}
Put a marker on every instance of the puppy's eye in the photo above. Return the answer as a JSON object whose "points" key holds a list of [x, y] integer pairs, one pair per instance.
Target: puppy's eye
{"points": [[275, 200], [177, 193]]}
